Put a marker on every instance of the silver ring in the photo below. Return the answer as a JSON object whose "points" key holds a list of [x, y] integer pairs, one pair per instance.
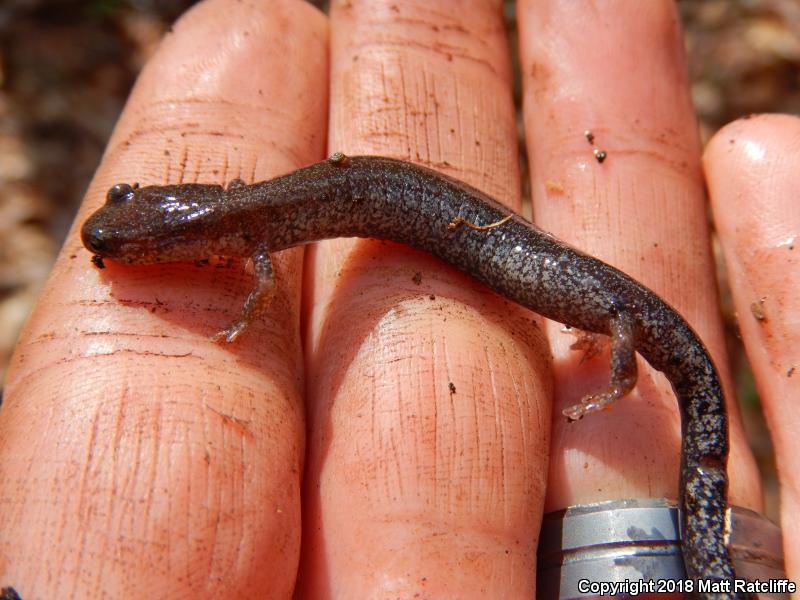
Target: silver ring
{"points": [[638, 540]]}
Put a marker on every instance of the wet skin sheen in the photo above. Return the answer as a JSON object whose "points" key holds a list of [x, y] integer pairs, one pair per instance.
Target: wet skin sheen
{"points": [[374, 197]]}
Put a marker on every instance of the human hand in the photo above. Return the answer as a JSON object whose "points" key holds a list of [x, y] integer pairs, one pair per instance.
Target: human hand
{"points": [[189, 477]]}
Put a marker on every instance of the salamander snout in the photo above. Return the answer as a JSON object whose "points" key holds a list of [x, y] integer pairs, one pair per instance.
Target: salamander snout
{"points": [[95, 239], [101, 232]]}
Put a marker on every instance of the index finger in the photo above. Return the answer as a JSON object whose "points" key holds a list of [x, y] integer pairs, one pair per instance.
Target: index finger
{"points": [[135, 454]]}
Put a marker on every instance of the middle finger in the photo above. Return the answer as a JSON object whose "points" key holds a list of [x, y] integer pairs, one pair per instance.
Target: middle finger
{"points": [[413, 483]]}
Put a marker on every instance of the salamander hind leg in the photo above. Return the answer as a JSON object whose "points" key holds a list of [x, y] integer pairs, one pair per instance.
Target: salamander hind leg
{"points": [[257, 302], [623, 370]]}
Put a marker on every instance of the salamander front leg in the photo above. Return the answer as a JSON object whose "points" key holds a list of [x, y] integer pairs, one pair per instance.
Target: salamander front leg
{"points": [[259, 299], [623, 370]]}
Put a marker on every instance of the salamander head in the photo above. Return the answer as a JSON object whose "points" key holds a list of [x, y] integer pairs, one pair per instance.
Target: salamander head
{"points": [[157, 223]]}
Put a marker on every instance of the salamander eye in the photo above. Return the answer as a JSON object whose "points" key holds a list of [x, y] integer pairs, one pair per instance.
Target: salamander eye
{"points": [[119, 193]]}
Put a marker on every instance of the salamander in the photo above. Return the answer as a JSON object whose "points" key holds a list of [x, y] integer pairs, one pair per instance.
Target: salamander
{"points": [[383, 198]]}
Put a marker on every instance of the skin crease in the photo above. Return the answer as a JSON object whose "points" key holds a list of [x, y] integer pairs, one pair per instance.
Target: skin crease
{"points": [[359, 451], [753, 177]]}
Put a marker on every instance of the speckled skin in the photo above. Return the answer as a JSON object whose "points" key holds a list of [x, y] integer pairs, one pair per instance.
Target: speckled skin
{"points": [[393, 200]]}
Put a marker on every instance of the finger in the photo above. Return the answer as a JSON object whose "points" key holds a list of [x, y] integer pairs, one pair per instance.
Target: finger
{"points": [[428, 393], [621, 74], [137, 457], [753, 172]]}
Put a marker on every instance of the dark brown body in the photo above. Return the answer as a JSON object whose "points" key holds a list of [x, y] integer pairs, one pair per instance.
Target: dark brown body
{"points": [[388, 199]]}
